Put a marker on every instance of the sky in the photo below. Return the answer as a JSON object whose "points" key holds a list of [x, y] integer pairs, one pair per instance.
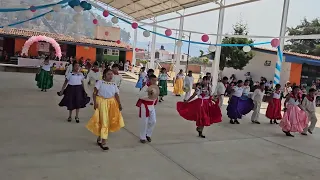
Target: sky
{"points": [[262, 17]]}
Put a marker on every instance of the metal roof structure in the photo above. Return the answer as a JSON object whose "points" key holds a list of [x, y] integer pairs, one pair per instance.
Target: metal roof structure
{"points": [[145, 9]]}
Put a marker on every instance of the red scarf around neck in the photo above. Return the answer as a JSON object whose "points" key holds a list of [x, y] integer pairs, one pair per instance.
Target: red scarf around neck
{"points": [[310, 98]]}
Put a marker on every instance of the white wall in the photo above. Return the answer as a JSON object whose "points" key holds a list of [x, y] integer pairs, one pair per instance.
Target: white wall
{"points": [[257, 69]]}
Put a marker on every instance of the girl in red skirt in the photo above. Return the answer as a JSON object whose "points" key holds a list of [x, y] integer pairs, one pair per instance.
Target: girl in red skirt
{"points": [[274, 106], [202, 110]]}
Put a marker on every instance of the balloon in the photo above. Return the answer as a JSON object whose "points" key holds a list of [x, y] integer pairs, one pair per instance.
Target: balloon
{"points": [[146, 33], [78, 9], [136, 49], [179, 43], [29, 14], [114, 20], [48, 16], [212, 48], [33, 9], [56, 8], [106, 33], [77, 18], [168, 32], [118, 41], [134, 25], [275, 42], [74, 3], [105, 13], [95, 21], [6, 29], [246, 49], [83, 4], [205, 38], [89, 7]]}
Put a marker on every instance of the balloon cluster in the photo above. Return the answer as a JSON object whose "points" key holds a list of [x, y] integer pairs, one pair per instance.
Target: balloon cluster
{"points": [[34, 39], [83, 4]]}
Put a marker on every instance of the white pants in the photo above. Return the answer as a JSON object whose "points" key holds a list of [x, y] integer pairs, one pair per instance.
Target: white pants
{"points": [[188, 94], [313, 120], [89, 89], [256, 111], [147, 124], [221, 101]]}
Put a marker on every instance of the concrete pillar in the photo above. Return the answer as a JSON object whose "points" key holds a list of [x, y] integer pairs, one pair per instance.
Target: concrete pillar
{"points": [[283, 27], [178, 55], [134, 45], [215, 65], [153, 49]]}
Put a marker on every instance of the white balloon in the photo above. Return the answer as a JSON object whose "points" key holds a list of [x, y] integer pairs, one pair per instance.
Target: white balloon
{"points": [[146, 33], [6, 28], [77, 18], [246, 48], [179, 43], [56, 8], [77, 36], [29, 14], [114, 20], [78, 9], [48, 16], [212, 48]]}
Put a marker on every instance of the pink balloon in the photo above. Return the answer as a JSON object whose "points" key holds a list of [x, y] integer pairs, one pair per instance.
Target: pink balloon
{"points": [[205, 38], [105, 13], [118, 41], [275, 42], [106, 33], [33, 9], [95, 21], [136, 49], [168, 32], [134, 25]]}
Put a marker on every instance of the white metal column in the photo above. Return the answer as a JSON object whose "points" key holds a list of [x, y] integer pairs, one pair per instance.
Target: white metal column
{"points": [[153, 49], [283, 28], [215, 65], [134, 45], [178, 56]]}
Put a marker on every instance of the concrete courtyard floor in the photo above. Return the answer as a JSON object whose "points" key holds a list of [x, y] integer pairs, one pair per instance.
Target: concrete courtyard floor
{"points": [[37, 143]]}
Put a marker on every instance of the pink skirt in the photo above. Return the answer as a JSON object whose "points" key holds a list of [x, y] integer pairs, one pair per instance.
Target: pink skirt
{"points": [[294, 119]]}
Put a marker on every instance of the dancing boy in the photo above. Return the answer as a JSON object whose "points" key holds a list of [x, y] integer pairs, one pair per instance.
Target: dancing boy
{"points": [[147, 113]]}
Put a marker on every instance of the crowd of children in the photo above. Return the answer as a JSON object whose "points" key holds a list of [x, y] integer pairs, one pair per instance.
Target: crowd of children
{"points": [[203, 106]]}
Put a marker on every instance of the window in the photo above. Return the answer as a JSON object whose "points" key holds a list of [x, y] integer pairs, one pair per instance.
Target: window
{"points": [[182, 57], [111, 52]]}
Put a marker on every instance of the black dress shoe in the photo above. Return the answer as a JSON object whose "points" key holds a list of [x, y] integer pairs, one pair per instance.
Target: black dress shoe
{"points": [[103, 147], [271, 122], [231, 121], [256, 122], [236, 121], [77, 120], [275, 121], [69, 119], [305, 134], [309, 131], [143, 141], [148, 138]]}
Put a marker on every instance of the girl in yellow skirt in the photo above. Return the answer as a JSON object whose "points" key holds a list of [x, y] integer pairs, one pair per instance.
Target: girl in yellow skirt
{"points": [[107, 116], [178, 84]]}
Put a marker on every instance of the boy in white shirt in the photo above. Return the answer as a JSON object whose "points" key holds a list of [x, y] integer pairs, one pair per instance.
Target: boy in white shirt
{"points": [[309, 104], [221, 90], [257, 97], [117, 78], [147, 112], [187, 85], [93, 76]]}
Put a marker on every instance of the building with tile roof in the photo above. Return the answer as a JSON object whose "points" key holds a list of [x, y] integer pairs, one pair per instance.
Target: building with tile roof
{"points": [[12, 41]]}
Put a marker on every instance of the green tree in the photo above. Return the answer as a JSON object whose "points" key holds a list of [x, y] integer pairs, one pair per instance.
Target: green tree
{"points": [[235, 57], [305, 46]]}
